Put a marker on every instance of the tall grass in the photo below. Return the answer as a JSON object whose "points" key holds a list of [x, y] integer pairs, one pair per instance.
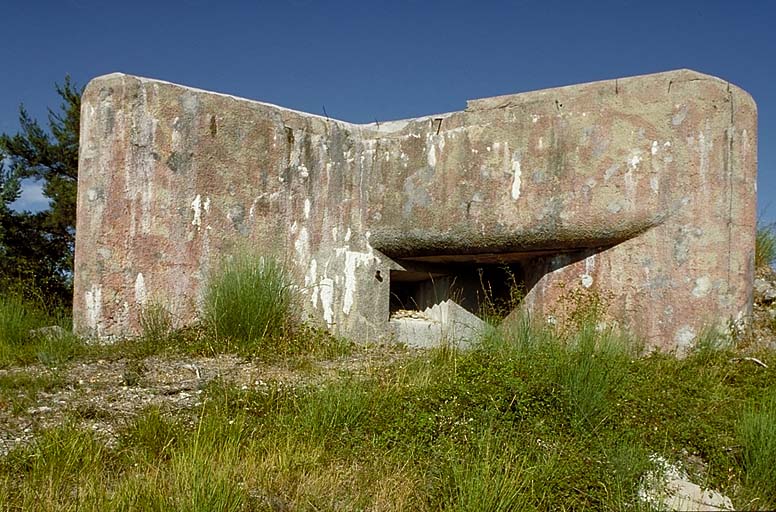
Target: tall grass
{"points": [[22, 339], [489, 475], [765, 246], [17, 319], [536, 417], [757, 433], [250, 302]]}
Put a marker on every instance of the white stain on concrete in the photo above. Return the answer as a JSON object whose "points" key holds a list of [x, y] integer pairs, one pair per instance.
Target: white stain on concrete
{"points": [[634, 161], [432, 155], [326, 287], [516, 179], [93, 300], [655, 147], [678, 118], [140, 289], [611, 171], [704, 146], [309, 281], [302, 242], [587, 277], [307, 206], [196, 205], [702, 287], [353, 260]]}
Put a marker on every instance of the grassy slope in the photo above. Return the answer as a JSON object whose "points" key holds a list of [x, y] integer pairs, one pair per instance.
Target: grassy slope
{"points": [[533, 418], [526, 421]]}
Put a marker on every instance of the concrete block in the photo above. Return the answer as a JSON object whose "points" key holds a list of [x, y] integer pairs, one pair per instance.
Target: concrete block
{"points": [[642, 189]]}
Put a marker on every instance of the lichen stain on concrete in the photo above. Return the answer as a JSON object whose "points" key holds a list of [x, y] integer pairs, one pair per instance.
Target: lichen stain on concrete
{"points": [[575, 186], [702, 287]]}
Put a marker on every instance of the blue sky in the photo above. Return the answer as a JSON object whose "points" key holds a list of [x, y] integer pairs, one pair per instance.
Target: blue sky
{"points": [[386, 60]]}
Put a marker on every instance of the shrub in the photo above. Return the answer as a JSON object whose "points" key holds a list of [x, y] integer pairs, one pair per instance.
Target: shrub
{"points": [[250, 302], [764, 246]]}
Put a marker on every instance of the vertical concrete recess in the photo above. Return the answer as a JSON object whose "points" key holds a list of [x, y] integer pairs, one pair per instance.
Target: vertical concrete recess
{"points": [[642, 189]]}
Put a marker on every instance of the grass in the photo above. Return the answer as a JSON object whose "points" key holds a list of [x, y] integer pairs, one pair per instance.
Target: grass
{"points": [[527, 420], [18, 390], [534, 417], [250, 302], [251, 310], [26, 336], [765, 246], [757, 435]]}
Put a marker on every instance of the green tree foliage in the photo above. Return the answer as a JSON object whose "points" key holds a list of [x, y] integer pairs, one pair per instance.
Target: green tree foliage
{"points": [[37, 248]]}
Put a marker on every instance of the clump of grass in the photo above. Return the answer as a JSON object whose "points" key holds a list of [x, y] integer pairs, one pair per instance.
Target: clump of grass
{"points": [[489, 475], [24, 340], [156, 322], [764, 246], [63, 469], [250, 303], [157, 334], [757, 433], [18, 318]]}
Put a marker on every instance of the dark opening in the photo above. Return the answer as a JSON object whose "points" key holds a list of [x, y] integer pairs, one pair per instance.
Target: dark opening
{"points": [[482, 289], [484, 284]]}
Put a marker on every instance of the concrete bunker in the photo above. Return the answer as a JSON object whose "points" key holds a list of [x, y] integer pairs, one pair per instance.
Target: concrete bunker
{"points": [[642, 188]]}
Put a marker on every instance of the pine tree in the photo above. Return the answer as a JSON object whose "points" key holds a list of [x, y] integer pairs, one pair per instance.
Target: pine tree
{"points": [[38, 247]]}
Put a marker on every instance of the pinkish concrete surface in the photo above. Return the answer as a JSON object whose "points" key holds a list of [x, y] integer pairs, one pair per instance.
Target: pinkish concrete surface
{"points": [[641, 189]]}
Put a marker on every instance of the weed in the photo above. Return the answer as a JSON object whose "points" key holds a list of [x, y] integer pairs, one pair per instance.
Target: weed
{"points": [[156, 322], [28, 334], [764, 246], [134, 371], [17, 319], [250, 303], [757, 434], [62, 470]]}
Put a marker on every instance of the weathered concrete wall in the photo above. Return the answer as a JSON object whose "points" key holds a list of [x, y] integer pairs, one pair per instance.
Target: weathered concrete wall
{"points": [[641, 188]]}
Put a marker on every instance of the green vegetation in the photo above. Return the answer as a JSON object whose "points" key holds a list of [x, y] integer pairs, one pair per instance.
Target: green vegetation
{"points": [[535, 416], [250, 302], [530, 419], [27, 335], [765, 246], [757, 434], [36, 249], [252, 308], [18, 390]]}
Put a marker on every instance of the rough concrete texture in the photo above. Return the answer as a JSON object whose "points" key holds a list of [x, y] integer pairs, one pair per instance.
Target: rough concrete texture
{"points": [[642, 189]]}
